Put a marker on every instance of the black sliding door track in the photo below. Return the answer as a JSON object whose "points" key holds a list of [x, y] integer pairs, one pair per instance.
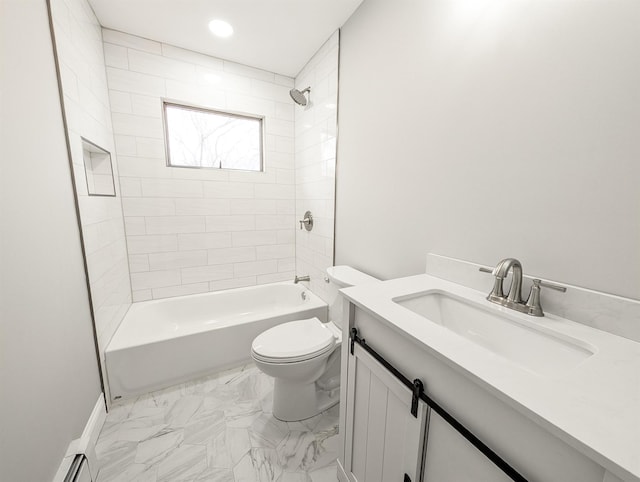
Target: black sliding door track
{"points": [[418, 393]]}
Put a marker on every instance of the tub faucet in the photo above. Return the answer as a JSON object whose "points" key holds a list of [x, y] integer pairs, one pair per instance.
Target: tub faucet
{"points": [[301, 278]]}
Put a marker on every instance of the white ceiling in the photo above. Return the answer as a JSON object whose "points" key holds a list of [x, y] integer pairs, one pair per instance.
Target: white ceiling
{"points": [[275, 35]]}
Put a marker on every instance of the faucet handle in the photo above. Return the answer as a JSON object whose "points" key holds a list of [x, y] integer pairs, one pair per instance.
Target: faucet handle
{"points": [[307, 221], [545, 284], [533, 302], [496, 294]]}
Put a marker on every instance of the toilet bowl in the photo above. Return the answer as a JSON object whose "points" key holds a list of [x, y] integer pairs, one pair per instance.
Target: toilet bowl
{"points": [[303, 356]]}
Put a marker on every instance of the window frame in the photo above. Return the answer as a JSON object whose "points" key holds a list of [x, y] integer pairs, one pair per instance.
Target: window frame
{"points": [[208, 110]]}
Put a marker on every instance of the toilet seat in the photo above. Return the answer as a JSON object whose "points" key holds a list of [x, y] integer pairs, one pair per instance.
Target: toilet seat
{"points": [[294, 341]]}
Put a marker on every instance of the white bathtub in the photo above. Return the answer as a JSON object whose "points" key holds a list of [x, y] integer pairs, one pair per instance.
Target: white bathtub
{"points": [[163, 342]]}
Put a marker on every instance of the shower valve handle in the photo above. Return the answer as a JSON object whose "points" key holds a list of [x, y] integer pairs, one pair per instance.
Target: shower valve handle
{"points": [[307, 221]]}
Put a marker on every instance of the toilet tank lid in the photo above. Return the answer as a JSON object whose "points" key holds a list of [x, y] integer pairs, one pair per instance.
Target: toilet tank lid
{"points": [[348, 276]]}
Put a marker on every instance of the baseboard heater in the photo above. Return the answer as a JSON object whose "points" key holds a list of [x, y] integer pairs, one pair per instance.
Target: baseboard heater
{"points": [[79, 470]]}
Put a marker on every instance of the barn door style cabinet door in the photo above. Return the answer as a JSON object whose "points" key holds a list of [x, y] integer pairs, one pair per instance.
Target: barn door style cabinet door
{"points": [[391, 434], [384, 441], [451, 458]]}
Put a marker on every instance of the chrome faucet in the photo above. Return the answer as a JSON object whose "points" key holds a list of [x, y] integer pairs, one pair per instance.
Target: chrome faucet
{"points": [[514, 299], [515, 292], [297, 279]]}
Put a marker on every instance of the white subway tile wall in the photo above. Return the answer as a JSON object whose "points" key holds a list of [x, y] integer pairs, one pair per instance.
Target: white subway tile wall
{"points": [[315, 164], [86, 100], [197, 230]]}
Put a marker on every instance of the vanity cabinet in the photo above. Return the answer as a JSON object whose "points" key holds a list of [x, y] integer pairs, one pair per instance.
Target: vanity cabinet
{"points": [[450, 457], [383, 441], [386, 441]]}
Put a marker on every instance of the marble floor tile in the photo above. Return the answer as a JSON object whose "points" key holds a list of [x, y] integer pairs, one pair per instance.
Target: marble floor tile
{"points": [[266, 431], [295, 477], [139, 429], [158, 447], [114, 457], [204, 428], [297, 450], [259, 465], [185, 463], [242, 414], [215, 474], [182, 411], [137, 472], [218, 454], [119, 412], [218, 429], [238, 443], [326, 474]]}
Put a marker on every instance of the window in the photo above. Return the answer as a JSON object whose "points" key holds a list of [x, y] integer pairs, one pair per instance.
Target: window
{"points": [[199, 137]]}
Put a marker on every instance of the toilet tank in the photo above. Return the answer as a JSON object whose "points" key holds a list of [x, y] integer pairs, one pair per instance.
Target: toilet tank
{"points": [[343, 277]]}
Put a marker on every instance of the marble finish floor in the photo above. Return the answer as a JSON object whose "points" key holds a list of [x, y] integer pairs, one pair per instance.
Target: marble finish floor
{"points": [[218, 429]]}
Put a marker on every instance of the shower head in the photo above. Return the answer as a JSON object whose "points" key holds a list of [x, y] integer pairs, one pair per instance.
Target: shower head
{"points": [[298, 96]]}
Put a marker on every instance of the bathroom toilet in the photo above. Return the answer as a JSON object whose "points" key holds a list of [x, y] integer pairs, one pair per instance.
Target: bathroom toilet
{"points": [[304, 355]]}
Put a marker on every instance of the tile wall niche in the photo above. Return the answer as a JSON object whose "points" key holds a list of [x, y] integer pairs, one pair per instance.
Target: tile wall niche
{"points": [[86, 102], [197, 230], [315, 159]]}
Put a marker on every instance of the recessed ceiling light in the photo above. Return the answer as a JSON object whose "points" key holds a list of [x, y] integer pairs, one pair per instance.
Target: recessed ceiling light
{"points": [[220, 28]]}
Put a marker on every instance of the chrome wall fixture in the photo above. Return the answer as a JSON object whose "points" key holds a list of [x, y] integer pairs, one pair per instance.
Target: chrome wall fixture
{"points": [[307, 221], [514, 299], [298, 96]]}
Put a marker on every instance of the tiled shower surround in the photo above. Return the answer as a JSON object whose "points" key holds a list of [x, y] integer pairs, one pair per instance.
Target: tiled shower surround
{"points": [[216, 429], [86, 102], [198, 230], [177, 231], [315, 160]]}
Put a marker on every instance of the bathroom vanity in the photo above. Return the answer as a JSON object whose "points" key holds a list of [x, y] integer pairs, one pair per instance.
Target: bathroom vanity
{"points": [[552, 399]]}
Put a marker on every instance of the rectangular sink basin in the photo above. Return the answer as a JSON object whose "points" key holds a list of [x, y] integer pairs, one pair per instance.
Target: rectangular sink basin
{"points": [[534, 348]]}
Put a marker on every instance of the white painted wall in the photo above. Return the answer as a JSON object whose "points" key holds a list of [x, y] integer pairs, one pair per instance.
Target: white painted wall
{"points": [[198, 230], [489, 128], [49, 379], [79, 47], [315, 148]]}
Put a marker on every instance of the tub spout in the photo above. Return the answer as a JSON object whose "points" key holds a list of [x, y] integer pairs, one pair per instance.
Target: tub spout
{"points": [[301, 278]]}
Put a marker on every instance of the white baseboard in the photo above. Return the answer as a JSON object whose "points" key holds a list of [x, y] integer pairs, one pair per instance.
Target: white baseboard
{"points": [[342, 475], [65, 465], [86, 444]]}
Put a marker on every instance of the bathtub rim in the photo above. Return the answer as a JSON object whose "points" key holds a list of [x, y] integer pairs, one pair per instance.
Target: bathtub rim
{"points": [[314, 299]]}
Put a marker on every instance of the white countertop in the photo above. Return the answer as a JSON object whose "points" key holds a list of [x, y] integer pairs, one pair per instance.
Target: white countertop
{"points": [[594, 408]]}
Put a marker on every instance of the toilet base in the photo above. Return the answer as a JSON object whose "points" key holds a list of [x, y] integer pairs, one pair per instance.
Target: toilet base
{"points": [[293, 402]]}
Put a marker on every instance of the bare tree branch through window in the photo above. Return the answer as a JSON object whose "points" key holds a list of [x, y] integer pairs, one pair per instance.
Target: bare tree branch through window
{"points": [[206, 138]]}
